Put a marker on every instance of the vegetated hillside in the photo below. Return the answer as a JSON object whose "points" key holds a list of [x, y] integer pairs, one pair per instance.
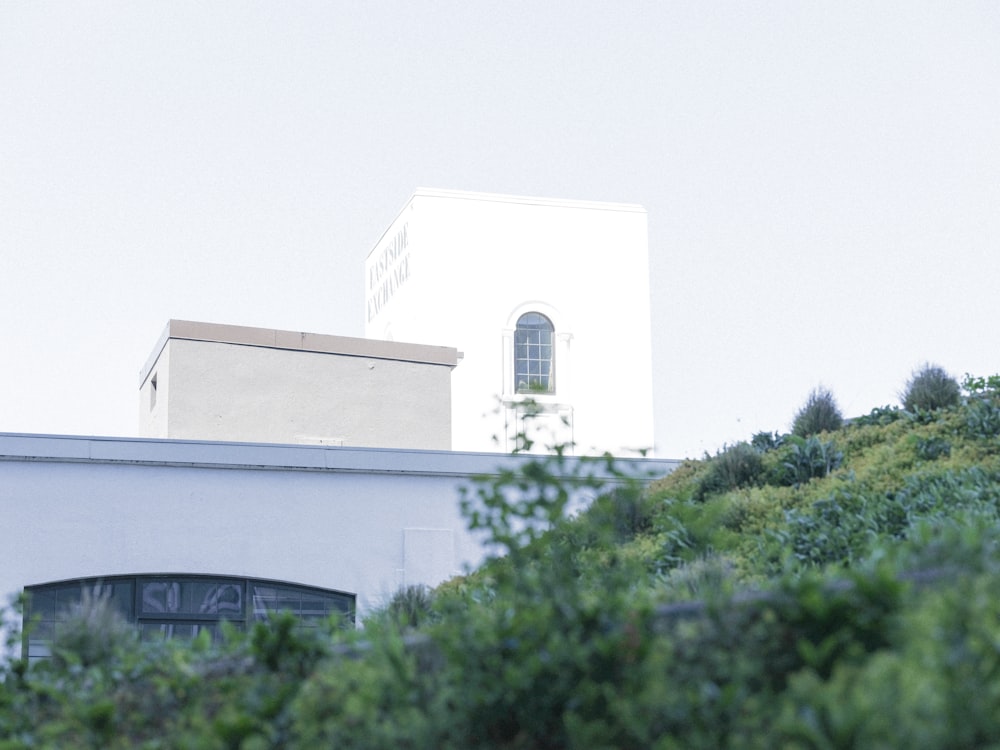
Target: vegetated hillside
{"points": [[830, 590], [779, 505]]}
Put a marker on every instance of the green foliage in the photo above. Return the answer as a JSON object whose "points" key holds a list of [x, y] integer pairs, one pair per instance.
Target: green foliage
{"points": [[763, 442], [934, 686], [930, 388], [880, 415], [819, 414], [929, 449], [791, 592], [810, 458], [982, 418], [735, 466], [92, 632], [410, 607], [981, 386]]}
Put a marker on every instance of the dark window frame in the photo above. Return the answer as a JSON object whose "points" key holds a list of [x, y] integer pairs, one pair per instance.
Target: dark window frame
{"points": [[65, 593]]}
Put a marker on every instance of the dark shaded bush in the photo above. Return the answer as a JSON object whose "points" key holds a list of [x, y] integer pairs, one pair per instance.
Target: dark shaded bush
{"points": [[92, 633], [618, 515], [735, 466], [767, 441], [932, 448], [819, 414], [930, 388], [410, 607], [982, 418]]}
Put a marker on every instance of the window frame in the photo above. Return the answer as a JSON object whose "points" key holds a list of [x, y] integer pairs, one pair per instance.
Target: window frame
{"points": [[540, 337], [71, 591]]}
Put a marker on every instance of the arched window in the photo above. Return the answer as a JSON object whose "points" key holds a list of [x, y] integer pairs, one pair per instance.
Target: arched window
{"points": [[180, 606], [533, 361]]}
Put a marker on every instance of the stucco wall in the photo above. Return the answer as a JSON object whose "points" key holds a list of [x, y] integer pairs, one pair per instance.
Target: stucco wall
{"points": [[458, 267], [363, 521], [344, 395]]}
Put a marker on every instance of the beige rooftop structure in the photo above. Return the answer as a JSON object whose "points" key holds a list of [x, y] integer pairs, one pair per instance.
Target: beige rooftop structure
{"points": [[206, 381]]}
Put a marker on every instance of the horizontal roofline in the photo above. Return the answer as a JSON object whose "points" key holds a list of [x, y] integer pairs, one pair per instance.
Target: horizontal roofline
{"points": [[280, 457], [320, 343], [527, 199], [504, 198]]}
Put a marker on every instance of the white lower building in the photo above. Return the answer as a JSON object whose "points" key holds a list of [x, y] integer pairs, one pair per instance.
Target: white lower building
{"points": [[185, 533]]}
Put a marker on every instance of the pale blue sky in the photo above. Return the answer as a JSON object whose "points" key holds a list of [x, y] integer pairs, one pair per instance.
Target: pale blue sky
{"points": [[822, 181]]}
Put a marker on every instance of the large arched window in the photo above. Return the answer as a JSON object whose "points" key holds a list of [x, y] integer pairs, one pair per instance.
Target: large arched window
{"points": [[180, 606], [533, 360]]}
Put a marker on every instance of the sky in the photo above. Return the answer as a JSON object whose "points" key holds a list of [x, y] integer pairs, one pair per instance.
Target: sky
{"points": [[822, 181]]}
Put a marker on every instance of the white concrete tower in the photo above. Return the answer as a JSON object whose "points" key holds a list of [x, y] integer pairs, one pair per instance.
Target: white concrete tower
{"points": [[548, 300]]}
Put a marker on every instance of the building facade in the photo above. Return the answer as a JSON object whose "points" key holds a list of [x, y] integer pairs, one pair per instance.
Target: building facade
{"points": [[548, 302], [206, 381], [188, 531], [286, 470]]}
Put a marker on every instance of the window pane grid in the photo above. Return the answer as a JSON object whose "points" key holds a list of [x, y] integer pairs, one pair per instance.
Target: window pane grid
{"points": [[178, 606], [533, 354]]}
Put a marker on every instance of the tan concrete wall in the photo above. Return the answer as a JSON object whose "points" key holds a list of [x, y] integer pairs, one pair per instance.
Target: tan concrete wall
{"points": [[220, 390]]}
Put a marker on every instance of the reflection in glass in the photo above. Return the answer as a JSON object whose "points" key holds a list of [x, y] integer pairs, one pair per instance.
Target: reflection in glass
{"points": [[178, 606]]}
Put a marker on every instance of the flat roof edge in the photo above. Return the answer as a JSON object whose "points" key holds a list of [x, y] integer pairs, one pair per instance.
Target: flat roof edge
{"points": [[30, 448], [318, 343], [528, 200], [504, 198]]}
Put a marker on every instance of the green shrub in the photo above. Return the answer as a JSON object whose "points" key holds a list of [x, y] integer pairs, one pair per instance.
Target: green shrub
{"points": [[929, 449], [930, 388], [810, 458], [617, 515], [735, 466], [981, 386], [408, 608], [982, 418], [880, 415], [819, 414], [767, 441], [93, 632]]}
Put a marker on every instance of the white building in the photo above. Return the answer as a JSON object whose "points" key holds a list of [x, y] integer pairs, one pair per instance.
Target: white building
{"points": [[320, 473], [547, 300], [190, 531]]}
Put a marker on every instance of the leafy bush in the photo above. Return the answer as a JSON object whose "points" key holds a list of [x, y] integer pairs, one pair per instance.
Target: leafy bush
{"points": [[981, 386], [410, 607], [767, 441], [982, 418], [819, 414], [93, 632], [880, 415], [929, 449], [735, 466], [808, 459], [930, 388], [619, 515]]}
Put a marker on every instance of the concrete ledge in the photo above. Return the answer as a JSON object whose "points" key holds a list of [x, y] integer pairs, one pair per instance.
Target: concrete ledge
{"points": [[349, 346], [276, 457]]}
